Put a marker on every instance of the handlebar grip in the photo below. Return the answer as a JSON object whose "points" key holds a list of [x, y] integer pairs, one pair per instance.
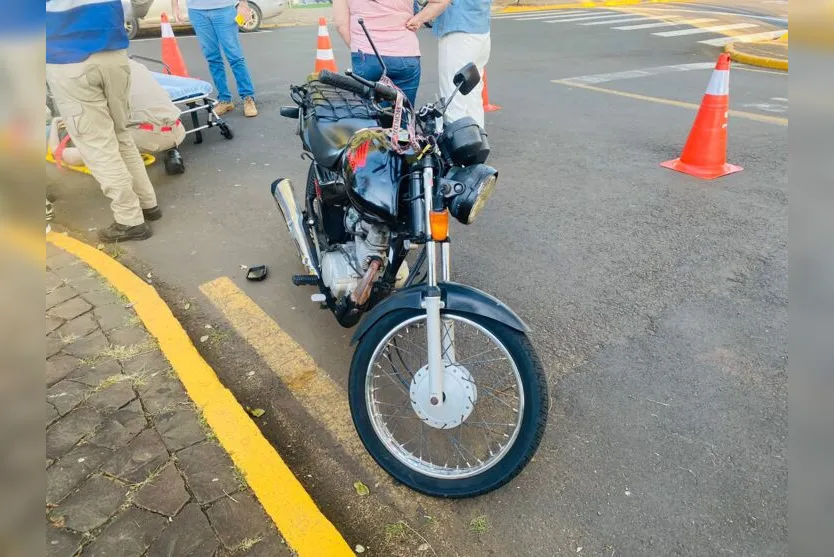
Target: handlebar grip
{"points": [[344, 82], [385, 92]]}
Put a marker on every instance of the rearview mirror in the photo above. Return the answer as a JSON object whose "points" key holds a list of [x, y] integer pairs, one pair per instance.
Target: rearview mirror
{"points": [[467, 78]]}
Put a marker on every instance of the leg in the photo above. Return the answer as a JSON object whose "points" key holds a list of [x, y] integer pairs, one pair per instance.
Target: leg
{"points": [[405, 73], [115, 74], [229, 37], [446, 60], [79, 95], [210, 45]]}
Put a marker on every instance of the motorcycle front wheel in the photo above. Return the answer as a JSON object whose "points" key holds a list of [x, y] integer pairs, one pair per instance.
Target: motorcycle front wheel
{"points": [[492, 418]]}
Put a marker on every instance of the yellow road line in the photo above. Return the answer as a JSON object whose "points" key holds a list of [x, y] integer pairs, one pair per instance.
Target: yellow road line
{"points": [[589, 4], [659, 100], [286, 501]]}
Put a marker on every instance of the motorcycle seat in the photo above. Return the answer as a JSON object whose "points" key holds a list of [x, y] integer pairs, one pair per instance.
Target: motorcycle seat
{"points": [[327, 139]]}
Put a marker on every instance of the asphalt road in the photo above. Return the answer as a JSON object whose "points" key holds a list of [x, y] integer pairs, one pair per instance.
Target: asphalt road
{"points": [[658, 303]]}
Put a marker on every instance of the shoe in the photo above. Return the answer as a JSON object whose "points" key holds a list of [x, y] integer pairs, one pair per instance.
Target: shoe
{"points": [[154, 213], [223, 107], [121, 232], [249, 108]]}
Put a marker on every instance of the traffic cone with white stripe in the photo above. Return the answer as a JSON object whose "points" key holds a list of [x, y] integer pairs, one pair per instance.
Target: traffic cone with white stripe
{"points": [[705, 153], [324, 50], [488, 106], [171, 55]]}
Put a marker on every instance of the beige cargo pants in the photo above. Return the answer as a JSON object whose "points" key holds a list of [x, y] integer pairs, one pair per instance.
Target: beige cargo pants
{"points": [[93, 96]]}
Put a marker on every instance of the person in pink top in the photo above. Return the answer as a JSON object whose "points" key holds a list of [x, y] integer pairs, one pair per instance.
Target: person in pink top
{"points": [[386, 22]]}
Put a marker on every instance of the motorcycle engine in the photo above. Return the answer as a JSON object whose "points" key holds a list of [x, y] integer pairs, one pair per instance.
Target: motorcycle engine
{"points": [[342, 268]]}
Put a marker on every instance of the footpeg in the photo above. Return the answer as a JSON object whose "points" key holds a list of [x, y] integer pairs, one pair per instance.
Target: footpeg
{"points": [[305, 280]]}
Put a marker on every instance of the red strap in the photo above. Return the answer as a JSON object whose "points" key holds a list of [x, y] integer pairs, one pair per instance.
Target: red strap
{"points": [[58, 155], [146, 127]]}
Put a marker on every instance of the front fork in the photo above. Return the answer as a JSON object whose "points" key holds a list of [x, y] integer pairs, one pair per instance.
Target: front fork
{"points": [[439, 332]]}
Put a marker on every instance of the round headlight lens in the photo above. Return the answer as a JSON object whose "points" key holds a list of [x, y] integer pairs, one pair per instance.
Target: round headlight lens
{"points": [[482, 196], [476, 184]]}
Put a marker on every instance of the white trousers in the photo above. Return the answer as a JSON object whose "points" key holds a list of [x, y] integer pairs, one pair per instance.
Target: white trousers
{"points": [[455, 50]]}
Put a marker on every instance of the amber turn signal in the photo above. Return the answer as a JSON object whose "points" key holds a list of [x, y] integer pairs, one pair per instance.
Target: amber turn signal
{"points": [[439, 221]]}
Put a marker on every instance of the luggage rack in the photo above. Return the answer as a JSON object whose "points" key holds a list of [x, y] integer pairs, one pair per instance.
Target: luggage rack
{"points": [[331, 103]]}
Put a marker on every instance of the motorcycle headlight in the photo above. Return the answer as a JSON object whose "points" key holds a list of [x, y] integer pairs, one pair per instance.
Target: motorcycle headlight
{"points": [[471, 187]]}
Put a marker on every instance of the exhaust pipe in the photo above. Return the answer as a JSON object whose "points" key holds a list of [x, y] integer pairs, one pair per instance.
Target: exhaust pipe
{"points": [[283, 193]]}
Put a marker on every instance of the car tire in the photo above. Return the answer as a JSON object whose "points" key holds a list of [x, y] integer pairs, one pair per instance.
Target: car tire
{"points": [[132, 28], [255, 20]]}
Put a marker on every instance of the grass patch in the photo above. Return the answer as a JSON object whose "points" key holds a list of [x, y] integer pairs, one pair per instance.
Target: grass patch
{"points": [[133, 321], [247, 544], [395, 531], [118, 352], [201, 419], [240, 477], [114, 250], [479, 525], [68, 339]]}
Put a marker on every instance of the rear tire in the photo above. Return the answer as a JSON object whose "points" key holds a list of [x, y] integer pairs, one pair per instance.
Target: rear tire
{"points": [[534, 418]]}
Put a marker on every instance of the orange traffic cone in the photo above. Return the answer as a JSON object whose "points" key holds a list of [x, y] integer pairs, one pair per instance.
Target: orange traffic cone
{"points": [[485, 97], [705, 153], [324, 50], [171, 55]]}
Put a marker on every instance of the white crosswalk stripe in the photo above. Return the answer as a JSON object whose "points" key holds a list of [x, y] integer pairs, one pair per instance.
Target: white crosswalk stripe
{"points": [[701, 30], [679, 25], [664, 24]]}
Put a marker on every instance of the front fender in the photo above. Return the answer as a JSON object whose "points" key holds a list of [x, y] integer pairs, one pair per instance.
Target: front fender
{"points": [[459, 298]]}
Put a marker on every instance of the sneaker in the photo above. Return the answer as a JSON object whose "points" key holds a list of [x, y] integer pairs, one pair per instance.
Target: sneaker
{"points": [[154, 213], [249, 108], [223, 107], [121, 232]]}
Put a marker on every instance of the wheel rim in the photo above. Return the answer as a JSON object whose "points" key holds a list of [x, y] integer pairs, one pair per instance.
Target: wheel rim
{"points": [[252, 23], [435, 445]]}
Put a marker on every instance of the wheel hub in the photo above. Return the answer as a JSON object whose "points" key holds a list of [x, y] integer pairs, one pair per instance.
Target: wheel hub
{"points": [[459, 397]]}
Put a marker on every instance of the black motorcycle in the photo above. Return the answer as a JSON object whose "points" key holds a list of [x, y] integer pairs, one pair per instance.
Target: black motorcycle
{"points": [[446, 391]]}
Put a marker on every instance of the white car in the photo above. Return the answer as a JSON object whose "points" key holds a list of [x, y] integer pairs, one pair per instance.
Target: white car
{"points": [[146, 14]]}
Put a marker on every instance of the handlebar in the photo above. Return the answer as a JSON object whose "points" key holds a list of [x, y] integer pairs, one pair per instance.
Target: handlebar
{"points": [[355, 85]]}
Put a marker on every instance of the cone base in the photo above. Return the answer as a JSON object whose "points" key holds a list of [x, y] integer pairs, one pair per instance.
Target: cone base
{"points": [[701, 172], [491, 108]]}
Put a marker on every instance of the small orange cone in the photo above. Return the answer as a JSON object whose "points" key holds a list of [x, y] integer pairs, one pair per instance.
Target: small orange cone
{"points": [[705, 153], [324, 50], [485, 97], [171, 55]]}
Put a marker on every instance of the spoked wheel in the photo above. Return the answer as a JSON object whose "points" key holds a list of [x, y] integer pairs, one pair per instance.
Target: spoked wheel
{"points": [[493, 413]]}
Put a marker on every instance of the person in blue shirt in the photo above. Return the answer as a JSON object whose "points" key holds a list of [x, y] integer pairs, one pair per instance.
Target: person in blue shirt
{"points": [[88, 75], [462, 27]]}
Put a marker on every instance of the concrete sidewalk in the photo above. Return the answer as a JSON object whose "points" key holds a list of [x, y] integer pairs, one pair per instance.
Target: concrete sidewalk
{"points": [[131, 467], [766, 54]]}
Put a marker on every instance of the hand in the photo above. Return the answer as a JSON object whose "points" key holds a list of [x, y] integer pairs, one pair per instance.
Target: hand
{"points": [[414, 23], [178, 15], [244, 11]]}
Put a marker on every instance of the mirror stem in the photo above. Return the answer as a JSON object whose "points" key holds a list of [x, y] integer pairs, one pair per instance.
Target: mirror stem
{"points": [[361, 22]]}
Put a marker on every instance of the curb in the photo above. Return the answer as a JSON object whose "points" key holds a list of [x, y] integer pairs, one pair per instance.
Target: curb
{"points": [[755, 59], [295, 514], [589, 4]]}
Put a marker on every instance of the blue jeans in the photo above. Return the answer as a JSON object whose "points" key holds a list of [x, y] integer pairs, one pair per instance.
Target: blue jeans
{"points": [[216, 29], [404, 71]]}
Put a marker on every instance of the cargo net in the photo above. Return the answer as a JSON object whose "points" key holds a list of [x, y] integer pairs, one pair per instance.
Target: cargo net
{"points": [[332, 103]]}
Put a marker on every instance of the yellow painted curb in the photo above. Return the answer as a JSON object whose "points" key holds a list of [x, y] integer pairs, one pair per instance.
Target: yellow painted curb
{"points": [[755, 59], [285, 500], [589, 4]]}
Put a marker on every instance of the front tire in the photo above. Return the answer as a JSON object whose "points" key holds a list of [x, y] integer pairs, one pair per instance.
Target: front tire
{"points": [[518, 454]]}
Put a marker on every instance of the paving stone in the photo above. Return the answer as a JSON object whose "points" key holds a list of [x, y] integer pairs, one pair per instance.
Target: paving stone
{"points": [[129, 535], [61, 260], [112, 316], [208, 472], [52, 281], [88, 347], [79, 327], [272, 545], [238, 521], [70, 309], [51, 414], [119, 428], [94, 374], [129, 336], [189, 534], [162, 393], [54, 344], [101, 298], [73, 271], [111, 398], [88, 284], [52, 323], [165, 494], [65, 475], [92, 505], [179, 429], [146, 363], [69, 430], [66, 395], [58, 367], [59, 296], [60, 543], [138, 459]]}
